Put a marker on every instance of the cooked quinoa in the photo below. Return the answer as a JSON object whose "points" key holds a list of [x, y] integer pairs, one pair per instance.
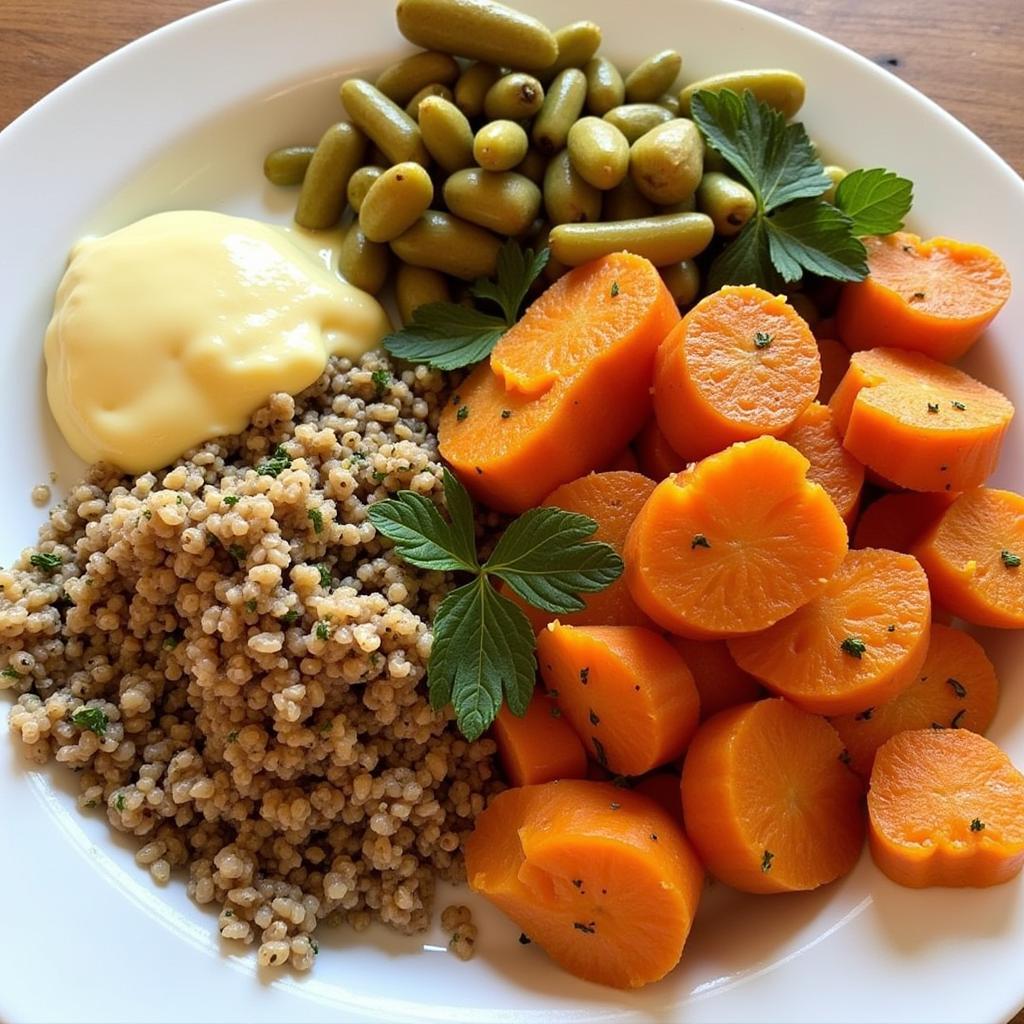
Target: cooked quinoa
{"points": [[235, 666]]}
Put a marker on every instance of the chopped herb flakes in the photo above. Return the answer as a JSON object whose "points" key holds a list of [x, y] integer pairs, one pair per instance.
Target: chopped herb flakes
{"points": [[315, 946], [594, 720], [381, 379], [1010, 560], [584, 675], [762, 339], [237, 552], [958, 688], [766, 861], [958, 405], [171, 641], [462, 413], [578, 883], [119, 801], [323, 630], [233, 736], [602, 757], [699, 541], [524, 939], [231, 500], [325, 576], [615, 805], [379, 476], [615, 289], [316, 517], [250, 605], [890, 629], [290, 617], [853, 646], [588, 929], [506, 413], [49, 563], [955, 724], [977, 824], [10, 673], [917, 295], [933, 407], [93, 719], [865, 715], [844, 756], [276, 464]]}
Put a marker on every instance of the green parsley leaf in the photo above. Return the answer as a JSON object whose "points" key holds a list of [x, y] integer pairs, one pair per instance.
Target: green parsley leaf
{"points": [[316, 517], [543, 557], [93, 719], [325, 576], [290, 617], [119, 801], [977, 824], [876, 200], [10, 673], [766, 861], [815, 237], [746, 260], [275, 464], [854, 646], [381, 379], [323, 630], [49, 563], [518, 268], [231, 499], [1009, 559]]}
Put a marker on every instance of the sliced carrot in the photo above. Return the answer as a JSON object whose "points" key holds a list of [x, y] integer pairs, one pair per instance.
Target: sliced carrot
{"points": [[860, 642], [898, 521], [510, 448], [540, 746], [921, 424], [741, 363], [721, 683], [663, 789], [933, 296], [956, 688], [612, 500], [825, 329], [657, 458], [735, 543], [835, 361], [974, 557], [945, 807], [625, 462], [601, 878], [815, 436], [624, 689], [767, 800]]}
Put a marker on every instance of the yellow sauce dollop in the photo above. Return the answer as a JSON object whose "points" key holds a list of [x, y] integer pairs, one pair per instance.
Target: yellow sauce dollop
{"points": [[175, 329]]}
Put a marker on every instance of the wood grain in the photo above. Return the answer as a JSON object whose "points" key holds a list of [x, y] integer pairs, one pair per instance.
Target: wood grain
{"points": [[967, 57]]}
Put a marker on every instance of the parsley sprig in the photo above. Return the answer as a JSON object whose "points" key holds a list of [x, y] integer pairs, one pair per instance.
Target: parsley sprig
{"points": [[447, 335], [794, 231], [483, 643]]}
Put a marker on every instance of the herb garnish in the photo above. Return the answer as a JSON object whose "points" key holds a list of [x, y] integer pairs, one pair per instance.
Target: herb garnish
{"points": [[762, 339], [853, 646], [958, 688], [323, 630], [614, 289], [49, 563], [447, 335], [381, 379], [1010, 560], [933, 407], [231, 499], [10, 673], [766, 861], [699, 541], [325, 576], [462, 413], [275, 464], [977, 824], [483, 643], [959, 406], [793, 230], [316, 517], [93, 719]]}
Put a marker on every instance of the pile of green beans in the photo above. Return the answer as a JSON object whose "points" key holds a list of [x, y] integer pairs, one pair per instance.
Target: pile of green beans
{"points": [[500, 128]]}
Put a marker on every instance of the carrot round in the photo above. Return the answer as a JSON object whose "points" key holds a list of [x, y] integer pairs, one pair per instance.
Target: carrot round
{"points": [[540, 746], [815, 436], [919, 423], [974, 557], [741, 363], [735, 543], [933, 296], [945, 807], [767, 800], [956, 688], [860, 642], [899, 521], [657, 458], [663, 789], [601, 878], [624, 689], [721, 683], [511, 447], [835, 361]]}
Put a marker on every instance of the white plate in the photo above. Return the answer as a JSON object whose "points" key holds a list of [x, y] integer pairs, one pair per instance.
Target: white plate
{"points": [[183, 119]]}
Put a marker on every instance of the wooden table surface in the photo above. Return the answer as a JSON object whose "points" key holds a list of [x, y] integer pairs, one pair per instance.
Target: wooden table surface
{"points": [[967, 57]]}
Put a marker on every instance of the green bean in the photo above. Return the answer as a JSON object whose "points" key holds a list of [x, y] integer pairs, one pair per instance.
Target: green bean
{"points": [[562, 106], [836, 174], [727, 202], [636, 119], [626, 202], [514, 97], [359, 184], [401, 81], [667, 162], [781, 89], [668, 238], [605, 89], [687, 205], [567, 197], [418, 286], [683, 282], [599, 152], [577, 43], [446, 133], [480, 29], [505, 202], [287, 166], [553, 269], [533, 166], [412, 108], [395, 202], [322, 199], [362, 262], [669, 102], [472, 86], [384, 122], [500, 145], [448, 244], [656, 75]]}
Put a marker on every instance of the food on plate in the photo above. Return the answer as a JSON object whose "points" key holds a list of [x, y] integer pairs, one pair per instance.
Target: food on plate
{"points": [[605, 87], [919, 423], [781, 89], [500, 146], [898, 521], [955, 688], [401, 81], [933, 296], [325, 181], [720, 682], [577, 43], [505, 202], [665, 240], [454, 246], [288, 165], [447, 134], [667, 161], [601, 878], [945, 807], [562, 106], [637, 119], [418, 286], [539, 747], [713, 554], [516, 96], [682, 279], [767, 801], [726, 201], [175, 330], [363, 263], [624, 689], [653, 77], [599, 152], [395, 201]]}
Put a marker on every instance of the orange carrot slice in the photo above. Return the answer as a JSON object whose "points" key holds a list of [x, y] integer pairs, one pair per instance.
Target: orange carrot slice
{"points": [[663, 789], [860, 642], [933, 296], [974, 557], [767, 800], [601, 878], [624, 689], [899, 521], [511, 448], [721, 683], [657, 458], [815, 436], [945, 807], [735, 543], [835, 361], [955, 688], [539, 747], [741, 363], [921, 424]]}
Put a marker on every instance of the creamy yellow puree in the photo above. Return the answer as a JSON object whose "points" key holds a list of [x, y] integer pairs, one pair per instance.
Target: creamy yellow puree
{"points": [[175, 329]]}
